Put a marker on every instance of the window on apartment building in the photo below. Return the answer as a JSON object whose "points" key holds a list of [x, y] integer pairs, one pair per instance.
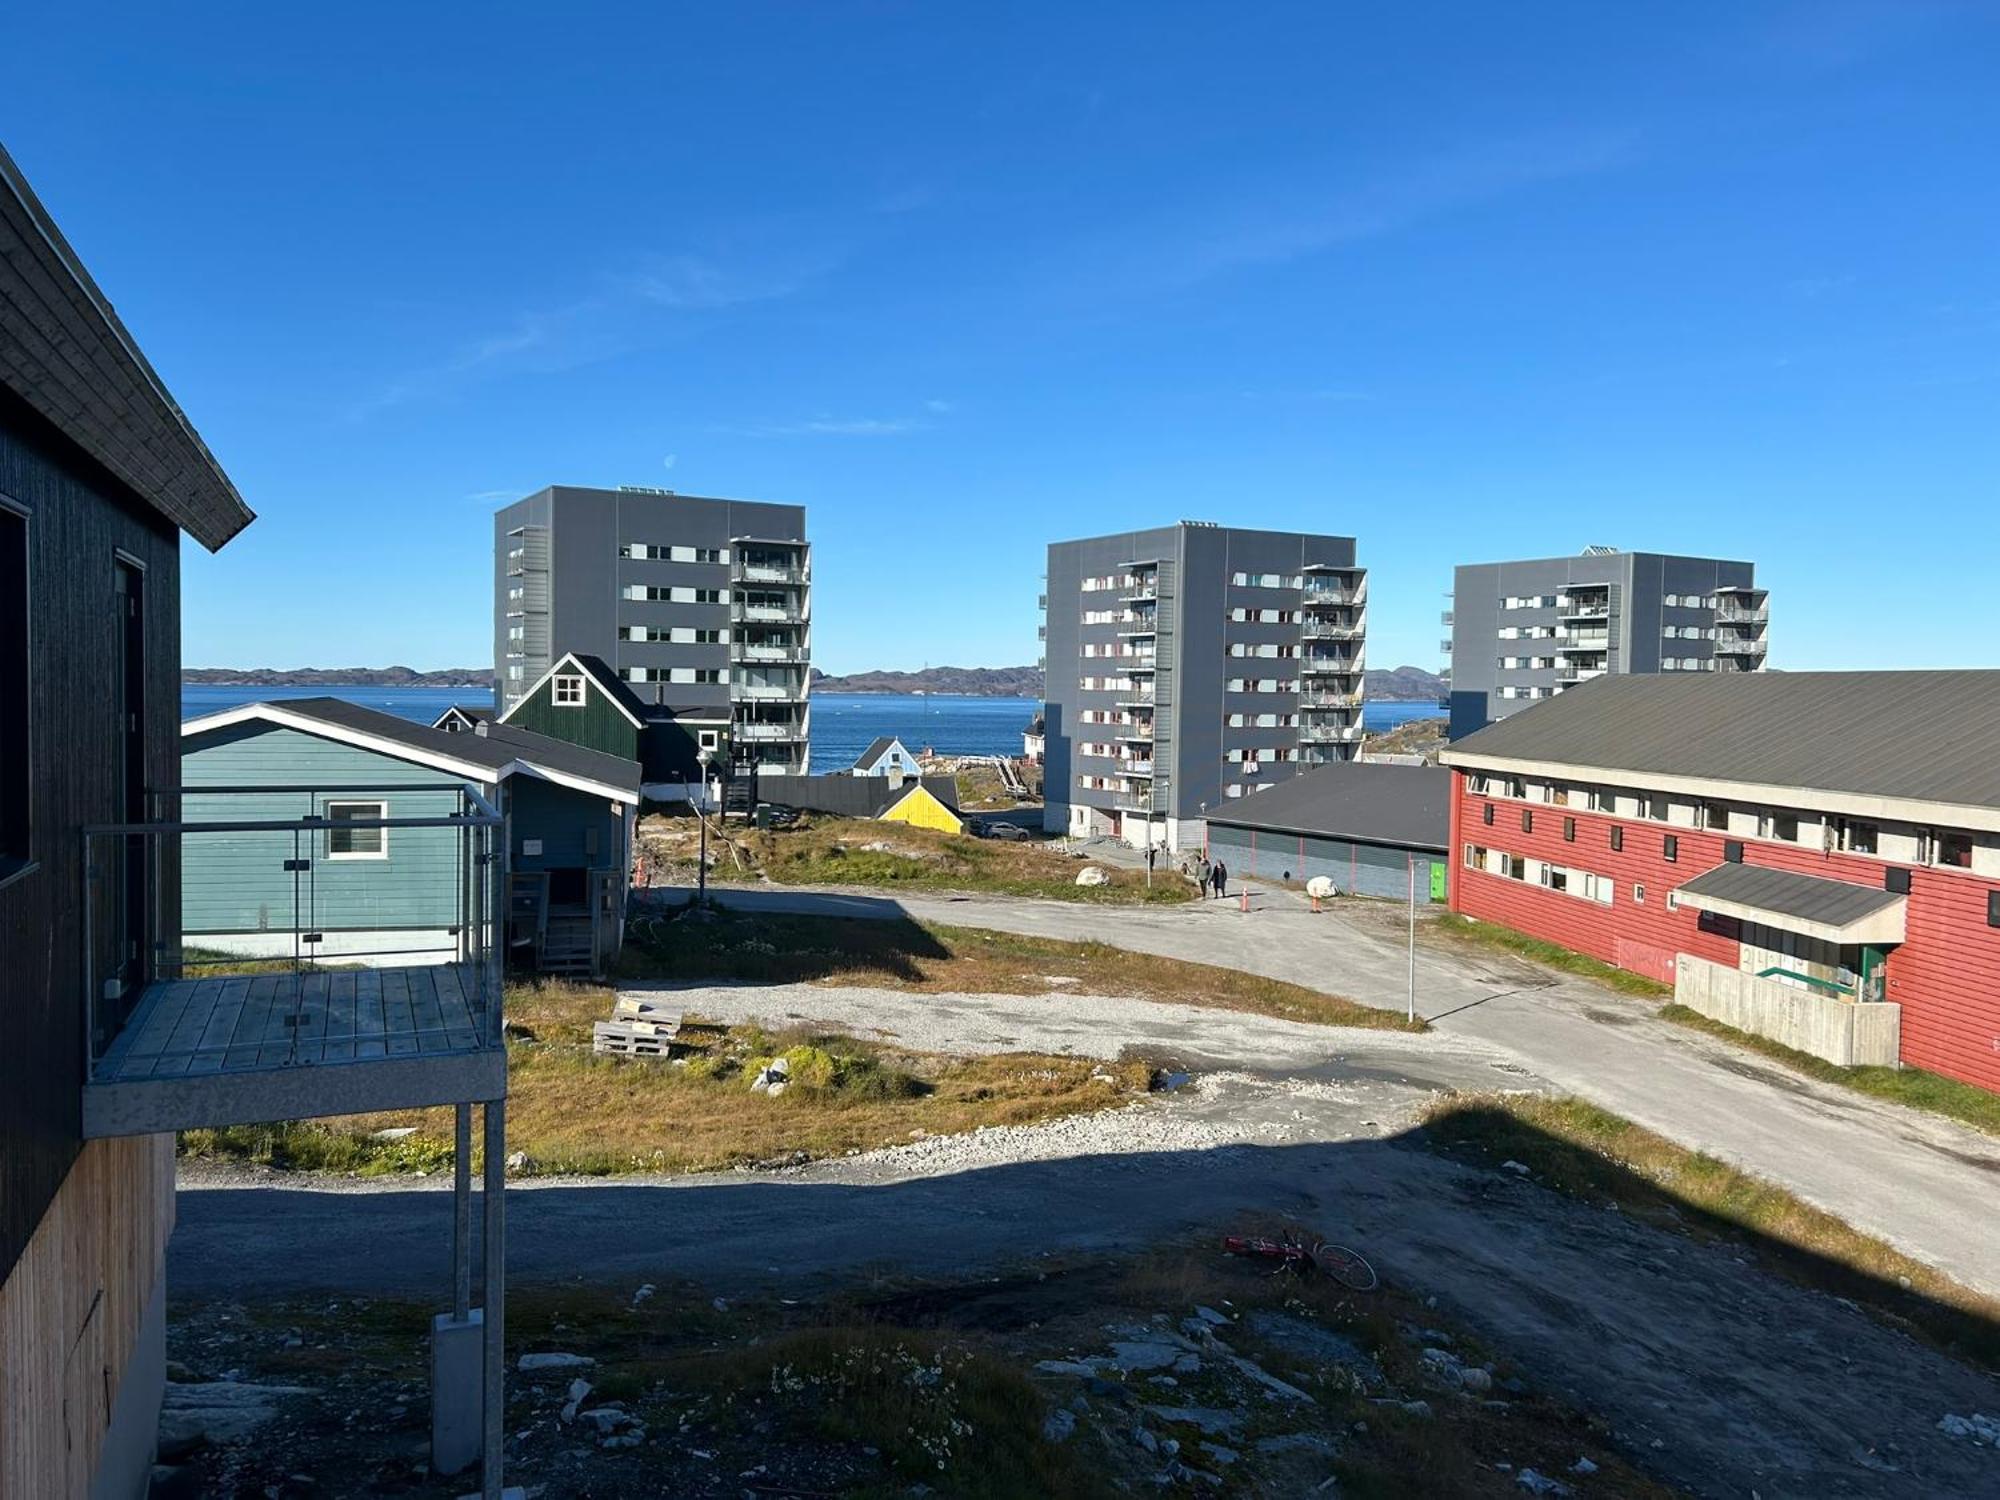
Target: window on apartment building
{"points": [[1656, 809], [1952, 849], [1486, 815], [1617, 841], [1639, 895], [1527, 821], [1715, 816], [1993, 908], [1783, 826], [1514, 867], [343, 841], [1670, 849], [1859, 838], [567, 691], [1475, 856], [15, 674], [1569, 830]]}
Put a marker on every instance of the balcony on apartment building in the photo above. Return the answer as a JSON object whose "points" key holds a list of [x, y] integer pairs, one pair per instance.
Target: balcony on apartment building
{"points": [[270, 953], [1330, 663], [1326, 586], [1314, 628], [770, 560], [1741, 645], [1316, 733], [744, 612], [1138, 733], [1740, 604], [1573, 672], [1139, 623], [780, 650]]}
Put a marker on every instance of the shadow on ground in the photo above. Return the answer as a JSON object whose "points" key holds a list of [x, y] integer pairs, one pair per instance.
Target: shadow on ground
{"points": [[1713, 1372]]}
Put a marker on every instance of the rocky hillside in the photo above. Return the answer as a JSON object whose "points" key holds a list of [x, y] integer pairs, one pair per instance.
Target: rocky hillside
{"points": [[1408, 684], [467, 677], [969, 682]]}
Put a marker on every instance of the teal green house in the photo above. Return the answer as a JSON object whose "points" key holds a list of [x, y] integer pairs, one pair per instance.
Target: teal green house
{"points": [[368, 882]]}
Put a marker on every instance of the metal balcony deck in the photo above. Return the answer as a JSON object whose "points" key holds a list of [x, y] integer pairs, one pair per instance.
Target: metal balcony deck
{"points": [[227, 1049]]}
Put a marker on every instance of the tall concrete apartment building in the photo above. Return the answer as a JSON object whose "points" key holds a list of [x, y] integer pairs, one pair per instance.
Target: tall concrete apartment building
{"points": [[1525, 631], [703, 607], [1191, 664]]}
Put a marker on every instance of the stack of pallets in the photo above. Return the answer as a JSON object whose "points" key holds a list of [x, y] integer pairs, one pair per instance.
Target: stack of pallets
{"points": [[642, 1028]]}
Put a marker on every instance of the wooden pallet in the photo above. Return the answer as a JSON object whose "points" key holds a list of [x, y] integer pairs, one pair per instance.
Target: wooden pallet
{"points": [[640, 1028]]}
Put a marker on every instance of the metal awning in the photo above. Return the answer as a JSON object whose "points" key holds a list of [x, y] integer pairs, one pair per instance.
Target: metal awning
{"points": [[1835, 911]]}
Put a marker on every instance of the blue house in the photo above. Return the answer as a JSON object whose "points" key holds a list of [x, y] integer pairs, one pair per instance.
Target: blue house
{"points": [[886, 756], [352, 885]]}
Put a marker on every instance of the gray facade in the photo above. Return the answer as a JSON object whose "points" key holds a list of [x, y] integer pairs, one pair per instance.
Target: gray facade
{"points": [[698, 605], [1190, 665], [1526, 631]]}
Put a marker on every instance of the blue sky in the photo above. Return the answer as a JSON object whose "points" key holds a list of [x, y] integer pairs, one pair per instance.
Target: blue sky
{"points": [[1465, 280]]}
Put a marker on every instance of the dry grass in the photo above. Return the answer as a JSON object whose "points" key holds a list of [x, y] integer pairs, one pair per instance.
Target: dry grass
{"points": [[1592, 1154], [822, 850], [573, 1111], [1465, 930], [933, 958], [1964, 1102]]}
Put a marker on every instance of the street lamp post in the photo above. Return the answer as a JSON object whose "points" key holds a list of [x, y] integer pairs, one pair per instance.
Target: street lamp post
{"points": [[701, 814]]}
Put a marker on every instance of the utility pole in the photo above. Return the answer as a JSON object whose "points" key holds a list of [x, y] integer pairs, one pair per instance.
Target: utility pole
{"points": [[701, 813], [1410, 862]]}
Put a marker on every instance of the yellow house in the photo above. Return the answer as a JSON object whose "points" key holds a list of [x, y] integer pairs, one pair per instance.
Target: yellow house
{"points": [[919, 807]]}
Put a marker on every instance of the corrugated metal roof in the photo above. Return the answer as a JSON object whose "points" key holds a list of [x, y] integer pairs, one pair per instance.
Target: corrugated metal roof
{"points": [[1809, 898], [1409, 806], [1927, 736]]}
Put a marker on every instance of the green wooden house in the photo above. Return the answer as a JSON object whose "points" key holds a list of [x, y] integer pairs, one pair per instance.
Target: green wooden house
{"points": [[353, 887], [583, 701]]}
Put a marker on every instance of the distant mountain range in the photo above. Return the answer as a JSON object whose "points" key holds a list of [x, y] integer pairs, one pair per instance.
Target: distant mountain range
{"points": [[450, 677], [965, 682], [1406, 684]]}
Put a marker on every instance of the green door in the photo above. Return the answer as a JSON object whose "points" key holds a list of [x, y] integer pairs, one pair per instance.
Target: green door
{"points": [[1438, 874]]}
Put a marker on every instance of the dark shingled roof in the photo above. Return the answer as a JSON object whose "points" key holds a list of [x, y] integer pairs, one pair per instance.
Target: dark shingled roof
{"points": [[67, 354], [1810, 898], [493, 745], [1408, 806], [1924, 736], [878, 746], [474, 712]]}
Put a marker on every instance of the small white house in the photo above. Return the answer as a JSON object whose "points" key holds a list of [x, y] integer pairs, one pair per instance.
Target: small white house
{"points": [[886, 757]]}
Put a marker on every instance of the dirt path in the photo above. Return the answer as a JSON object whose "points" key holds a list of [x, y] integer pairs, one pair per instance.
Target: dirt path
{"points": [[1898, 1174]]}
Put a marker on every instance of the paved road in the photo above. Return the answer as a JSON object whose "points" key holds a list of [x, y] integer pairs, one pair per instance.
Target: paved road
{"points": [[1912, 1179]]}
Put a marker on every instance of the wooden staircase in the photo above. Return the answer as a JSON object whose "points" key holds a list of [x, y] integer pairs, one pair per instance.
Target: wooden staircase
{"points": [[566, 949]]}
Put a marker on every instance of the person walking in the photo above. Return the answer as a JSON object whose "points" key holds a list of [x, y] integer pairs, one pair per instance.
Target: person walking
{"points": [[1221, 880]]}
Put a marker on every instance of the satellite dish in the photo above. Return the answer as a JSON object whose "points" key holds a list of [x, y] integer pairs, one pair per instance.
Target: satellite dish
{"points": [[1320, 887]]}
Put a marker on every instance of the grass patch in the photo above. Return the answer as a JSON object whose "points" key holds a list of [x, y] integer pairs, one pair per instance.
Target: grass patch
{"points": [[822, 850], [935, 957], [574, 1112], [1964, 1102], [1599, 1157], [1461, 929]]}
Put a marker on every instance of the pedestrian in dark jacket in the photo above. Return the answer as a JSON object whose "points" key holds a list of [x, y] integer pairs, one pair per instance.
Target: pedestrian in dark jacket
{"points": [[1221, 879]]}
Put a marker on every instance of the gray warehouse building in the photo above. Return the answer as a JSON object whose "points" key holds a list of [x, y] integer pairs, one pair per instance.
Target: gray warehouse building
{"points": [[1192, 665], [702, 606], [1368, 828], [1526, 631]]}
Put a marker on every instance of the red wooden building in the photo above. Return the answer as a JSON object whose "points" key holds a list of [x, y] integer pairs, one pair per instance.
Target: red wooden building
{"points": [[1813, 856]]}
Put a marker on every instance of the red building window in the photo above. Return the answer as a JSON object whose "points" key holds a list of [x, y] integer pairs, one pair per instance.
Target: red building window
{"points": [[1670, 849], [1569, 830], [1617, 840], [1527, 821]]}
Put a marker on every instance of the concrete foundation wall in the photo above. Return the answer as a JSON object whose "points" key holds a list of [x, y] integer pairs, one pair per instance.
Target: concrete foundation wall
{"points": [[1838, 1031]]}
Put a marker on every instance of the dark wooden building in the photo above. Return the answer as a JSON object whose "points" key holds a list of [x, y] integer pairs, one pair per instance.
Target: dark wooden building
{"points": [[100, 472], [581, 700]]}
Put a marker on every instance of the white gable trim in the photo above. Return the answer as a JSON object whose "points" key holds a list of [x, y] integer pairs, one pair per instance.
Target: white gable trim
{"points": [[576, 668], [342, 734], [271, 713]]}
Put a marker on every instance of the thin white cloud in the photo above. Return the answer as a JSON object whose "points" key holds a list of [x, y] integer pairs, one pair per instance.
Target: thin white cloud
{"points": [[826, 426]]}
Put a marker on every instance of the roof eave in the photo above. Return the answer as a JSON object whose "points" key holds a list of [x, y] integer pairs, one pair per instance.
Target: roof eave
{"points": [[171, 468]]}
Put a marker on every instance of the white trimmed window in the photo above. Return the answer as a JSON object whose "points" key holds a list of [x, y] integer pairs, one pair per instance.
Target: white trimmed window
{"points": [[567, 690], [348, 842]]}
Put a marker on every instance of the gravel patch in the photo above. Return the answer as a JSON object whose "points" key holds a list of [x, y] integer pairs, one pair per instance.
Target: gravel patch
{"points": [[1061, 1022]]}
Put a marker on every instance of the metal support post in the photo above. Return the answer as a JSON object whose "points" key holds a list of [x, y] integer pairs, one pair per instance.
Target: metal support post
{"points": [[493, 1308]]}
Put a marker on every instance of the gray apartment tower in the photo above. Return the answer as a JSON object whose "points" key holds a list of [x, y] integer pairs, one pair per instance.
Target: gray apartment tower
{"points": [[1524, 631], [1191, 664], [702, 606]]}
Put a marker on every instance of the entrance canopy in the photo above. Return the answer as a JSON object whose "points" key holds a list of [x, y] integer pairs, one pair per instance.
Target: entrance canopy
{"points": [[1834, 911]]}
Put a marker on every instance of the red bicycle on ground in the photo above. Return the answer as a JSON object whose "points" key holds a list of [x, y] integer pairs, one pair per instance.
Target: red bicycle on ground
{"points": [[1300, 1256]]}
